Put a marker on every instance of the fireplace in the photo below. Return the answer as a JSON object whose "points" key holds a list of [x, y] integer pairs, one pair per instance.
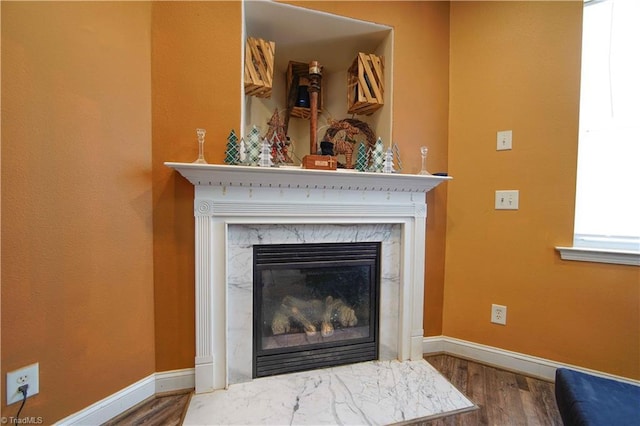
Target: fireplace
{"points": [[238, 207], [315, 305]]}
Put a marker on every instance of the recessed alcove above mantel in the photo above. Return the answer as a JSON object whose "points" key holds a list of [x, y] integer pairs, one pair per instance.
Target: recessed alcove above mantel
{"points": [[303, 35]]}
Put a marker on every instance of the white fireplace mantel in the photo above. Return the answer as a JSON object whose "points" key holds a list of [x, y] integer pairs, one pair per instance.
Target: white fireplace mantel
{"points": [[296, 177], [227, 196]]}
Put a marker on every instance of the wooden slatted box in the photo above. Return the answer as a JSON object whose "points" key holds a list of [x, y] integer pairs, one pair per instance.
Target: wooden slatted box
{"points": [[258, 67], [365, 84], [297, 75]]}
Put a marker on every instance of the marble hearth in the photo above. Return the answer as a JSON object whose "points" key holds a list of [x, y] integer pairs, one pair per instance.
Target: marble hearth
{"points": [[368, 393], [236, 207]]}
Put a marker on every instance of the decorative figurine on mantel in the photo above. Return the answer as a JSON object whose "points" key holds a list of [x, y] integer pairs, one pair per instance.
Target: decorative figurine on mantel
{"points": [[342, 136], [201, 133], [277, 136], [387, 166], [232, 153], [362, 159], [264, 158], [315, 77], [252, 145], [313, 160], [243, 151], [377, 160], [396, 157]]}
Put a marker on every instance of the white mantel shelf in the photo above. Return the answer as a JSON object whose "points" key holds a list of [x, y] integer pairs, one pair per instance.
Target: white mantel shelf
{"points": [[296, 177]]}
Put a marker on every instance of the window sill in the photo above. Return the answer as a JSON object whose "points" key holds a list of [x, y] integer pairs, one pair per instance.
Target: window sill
{"points": [[585, 254]]}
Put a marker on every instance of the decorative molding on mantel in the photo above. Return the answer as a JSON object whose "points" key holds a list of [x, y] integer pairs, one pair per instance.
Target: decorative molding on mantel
{"points": [[205, 207], [296, 177]]}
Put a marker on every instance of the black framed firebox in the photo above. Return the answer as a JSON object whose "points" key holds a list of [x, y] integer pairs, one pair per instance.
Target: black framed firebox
{"points": [[315, 305]]}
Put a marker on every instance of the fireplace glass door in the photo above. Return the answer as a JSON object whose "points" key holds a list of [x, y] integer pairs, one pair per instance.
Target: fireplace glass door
{"points": [[315, 305]]}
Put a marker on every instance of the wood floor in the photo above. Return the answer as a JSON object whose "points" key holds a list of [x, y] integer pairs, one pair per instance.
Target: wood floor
{"points": [[161, 410], [503, 399]]}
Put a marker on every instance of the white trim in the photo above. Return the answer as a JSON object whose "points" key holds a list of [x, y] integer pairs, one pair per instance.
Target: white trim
{"points": [[175, 380], [585, 254], [222, 175], [116, 404], [113, 405], [513, 361]]}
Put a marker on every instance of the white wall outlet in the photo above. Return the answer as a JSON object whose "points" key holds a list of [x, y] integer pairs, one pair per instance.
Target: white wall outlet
{"points": [[28, 375], [508, 200], [499, 314], [504, 140]]}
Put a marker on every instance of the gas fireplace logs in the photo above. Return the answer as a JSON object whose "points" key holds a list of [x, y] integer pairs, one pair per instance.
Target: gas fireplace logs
{"points": [[312, 313]]}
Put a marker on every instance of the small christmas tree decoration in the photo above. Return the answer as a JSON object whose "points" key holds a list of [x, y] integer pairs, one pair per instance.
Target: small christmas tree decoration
{"points": [[361, 158], [279, 151], [377, 160], [396, 157], [264, 158], [243, 151], [388, 162], [253, 147], [277, 136], [232, 153]]}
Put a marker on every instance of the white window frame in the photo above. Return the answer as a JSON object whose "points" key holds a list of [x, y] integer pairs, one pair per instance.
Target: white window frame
{"points": [[602, 247]]}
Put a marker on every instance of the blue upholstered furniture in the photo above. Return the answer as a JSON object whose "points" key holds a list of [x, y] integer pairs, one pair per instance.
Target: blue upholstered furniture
{"points": [[585, 399]]}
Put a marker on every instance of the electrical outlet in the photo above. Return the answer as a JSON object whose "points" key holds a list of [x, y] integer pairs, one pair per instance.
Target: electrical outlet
{"points": [[28, 375], [507, 200], [499, 314], [504, 140]]}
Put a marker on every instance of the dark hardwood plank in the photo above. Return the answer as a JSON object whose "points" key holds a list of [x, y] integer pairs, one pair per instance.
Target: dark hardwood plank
{"points": [[160, 410], [477, 393], [544, 395]]}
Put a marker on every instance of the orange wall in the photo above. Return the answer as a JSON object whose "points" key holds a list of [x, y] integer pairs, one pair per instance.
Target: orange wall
{"points": [[196, 66], [97, 234], [77, 283], [516, 66]]}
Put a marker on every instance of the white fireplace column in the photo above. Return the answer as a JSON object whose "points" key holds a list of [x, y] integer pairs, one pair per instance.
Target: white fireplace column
{"points": [[229, 195]]}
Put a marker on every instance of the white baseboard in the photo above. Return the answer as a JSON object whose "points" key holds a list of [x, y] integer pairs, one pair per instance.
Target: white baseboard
{"points": [[132, 395], [175, 380], [507, 360]]}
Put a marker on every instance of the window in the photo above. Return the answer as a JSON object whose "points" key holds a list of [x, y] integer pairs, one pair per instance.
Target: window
{"points": [[607, 216]]}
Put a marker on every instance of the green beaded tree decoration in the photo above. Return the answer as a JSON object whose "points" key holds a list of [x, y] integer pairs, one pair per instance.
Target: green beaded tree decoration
{"points": [[232, 153]]}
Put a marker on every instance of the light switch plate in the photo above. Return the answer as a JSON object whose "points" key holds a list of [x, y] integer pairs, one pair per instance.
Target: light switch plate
{"points": [[507, 200], [504, 140]]}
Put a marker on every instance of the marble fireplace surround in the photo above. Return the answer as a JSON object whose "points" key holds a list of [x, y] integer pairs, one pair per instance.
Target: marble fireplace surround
{"points": [[237, 206]]}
